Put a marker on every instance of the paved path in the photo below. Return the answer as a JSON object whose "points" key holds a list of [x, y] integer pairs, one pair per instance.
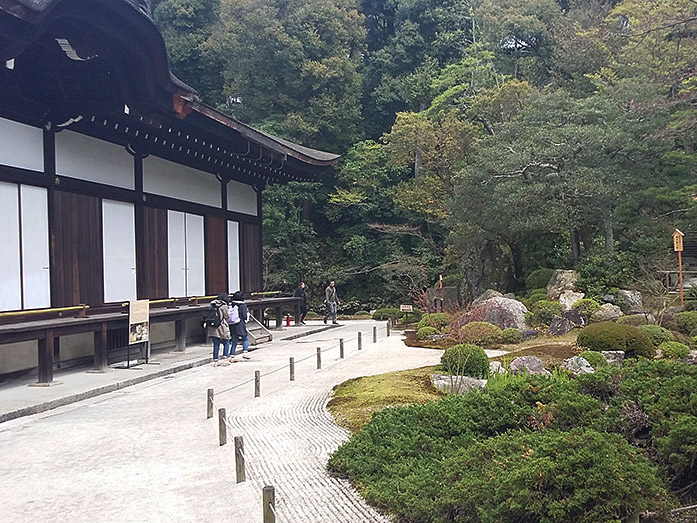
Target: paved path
{"points": [[147, 452]]}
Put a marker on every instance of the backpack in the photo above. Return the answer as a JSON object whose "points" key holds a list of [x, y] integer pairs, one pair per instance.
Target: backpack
{"points": [[234, 318], [214, 318]]}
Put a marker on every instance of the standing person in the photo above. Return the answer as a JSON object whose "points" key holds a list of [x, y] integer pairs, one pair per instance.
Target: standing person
{"points": [[238, 328], [331, 301], [217, 326], [300, 293]]}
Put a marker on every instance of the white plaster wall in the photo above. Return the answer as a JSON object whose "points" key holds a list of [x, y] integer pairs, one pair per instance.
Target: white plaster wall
{"points": [[86, 158], [19, 356], [179, 181], [21, 145], [241, 198], [76, 346]]}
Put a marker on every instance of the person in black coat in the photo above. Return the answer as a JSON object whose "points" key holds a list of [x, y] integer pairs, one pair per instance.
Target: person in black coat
{"points": [[238, 328], [300, 293]]}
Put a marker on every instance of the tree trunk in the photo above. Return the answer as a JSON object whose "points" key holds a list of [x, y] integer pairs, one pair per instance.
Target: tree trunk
{"points": [[607, 227], [517, 254], [586, 238], [575, 247]]}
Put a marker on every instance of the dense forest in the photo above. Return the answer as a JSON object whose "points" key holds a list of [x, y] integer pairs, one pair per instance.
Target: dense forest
{"points": [[480, 139]]}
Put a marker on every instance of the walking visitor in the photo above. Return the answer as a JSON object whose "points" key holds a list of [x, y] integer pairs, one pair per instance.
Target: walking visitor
{"points": [[301, 293], [239, 316], [331, 302], [217, 325]]}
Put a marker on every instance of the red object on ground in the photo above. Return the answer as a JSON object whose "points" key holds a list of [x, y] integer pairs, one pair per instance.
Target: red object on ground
{"points": [[287, 320]]}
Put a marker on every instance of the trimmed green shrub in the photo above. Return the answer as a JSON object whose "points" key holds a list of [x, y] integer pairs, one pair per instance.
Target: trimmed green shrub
{"points": [[361, 313], [543, 312], [586, 306], [580, 476], [614, 336], [510, 336], [538, 278], [386, 313], [635, 320], [438, 320], [465, 360], [687, 321], [425, 332], [481, 332], [674, 350], [657, 334], [596, 359]]}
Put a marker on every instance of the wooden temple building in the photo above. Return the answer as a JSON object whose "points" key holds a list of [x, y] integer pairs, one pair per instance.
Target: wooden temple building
{"points": [[117, 183]]}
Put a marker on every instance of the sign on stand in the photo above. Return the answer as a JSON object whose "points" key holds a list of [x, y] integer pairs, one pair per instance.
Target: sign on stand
{"points": [[139, 327], [406, 309]]}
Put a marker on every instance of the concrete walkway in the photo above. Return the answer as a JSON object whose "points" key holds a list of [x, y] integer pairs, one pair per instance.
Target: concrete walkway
{"points": [[148, 453]]}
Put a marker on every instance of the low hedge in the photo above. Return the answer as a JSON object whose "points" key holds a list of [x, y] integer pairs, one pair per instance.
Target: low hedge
{"points": [[465, 359], [425, 332], [543, 312], [539, 278], [510, 336], [657, 334], [480, 332], [687, 321], [614, 336], [438, 320], [674, 350], [386, 313]]}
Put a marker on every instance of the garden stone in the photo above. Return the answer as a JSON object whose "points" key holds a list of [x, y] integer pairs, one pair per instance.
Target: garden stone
{"points": [[530, 364], [559, 326], [577, 365], [607, 312], [529, 334], [568, 298], [502, 312], [495, 367], [451, 384], [561, 281], [613, 357], [609, 298], [487, 294], [575, 317], [633, 298]]}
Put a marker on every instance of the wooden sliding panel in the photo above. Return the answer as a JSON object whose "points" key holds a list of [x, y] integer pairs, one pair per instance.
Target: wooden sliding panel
{"points": [[251, 276], [216, 264], [233, 255], [10, 258], [76, 250], [152, 262]]}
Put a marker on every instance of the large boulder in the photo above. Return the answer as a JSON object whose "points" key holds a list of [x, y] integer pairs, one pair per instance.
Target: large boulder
{"points": [[561, 281], [487, 294], [577, 366], [529, 365], [502, 312], [568, 298], [560, 326], [575, 317], [485, 265], [452, 384], [607, 312], [633, 298]]}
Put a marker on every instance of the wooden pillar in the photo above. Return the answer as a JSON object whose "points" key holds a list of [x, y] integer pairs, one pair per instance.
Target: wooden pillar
{"points": [[46, 358], [179, 334], [100, 358], [279, 316], [297, 313]]}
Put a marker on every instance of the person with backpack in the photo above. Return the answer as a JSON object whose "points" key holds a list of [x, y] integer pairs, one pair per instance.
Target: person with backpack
{"points": [[217, 327], [238, 317], [301, 293]]}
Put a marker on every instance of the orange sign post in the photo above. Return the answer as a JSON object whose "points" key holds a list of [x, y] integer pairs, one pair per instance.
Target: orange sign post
{"points": [[677, 247]]}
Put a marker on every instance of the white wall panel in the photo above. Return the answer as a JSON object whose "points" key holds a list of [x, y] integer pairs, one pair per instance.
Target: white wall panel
{"points": [[179, 181], [10, 274], [241, 198], [233, 255], [119, 241], [86, 158], [21, 145], [35, 254], [195, 262], [176, 249]]}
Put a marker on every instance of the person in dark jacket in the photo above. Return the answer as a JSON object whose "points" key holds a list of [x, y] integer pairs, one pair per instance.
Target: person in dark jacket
{"points": [[238, 330], [331, 302], [222, 332], [300, 293]]}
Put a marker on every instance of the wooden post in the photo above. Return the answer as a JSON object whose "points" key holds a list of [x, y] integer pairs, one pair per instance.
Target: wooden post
{"points": [[209, 409], [682, 299], [360, 341], [388, 328], [257, 383], [341, 347], [319, 358], [179, 335], [269, 504], [375, 334], [678, 247], [292, 369], [100, 357], [222, 427], [240, 473], [46, 357]]}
